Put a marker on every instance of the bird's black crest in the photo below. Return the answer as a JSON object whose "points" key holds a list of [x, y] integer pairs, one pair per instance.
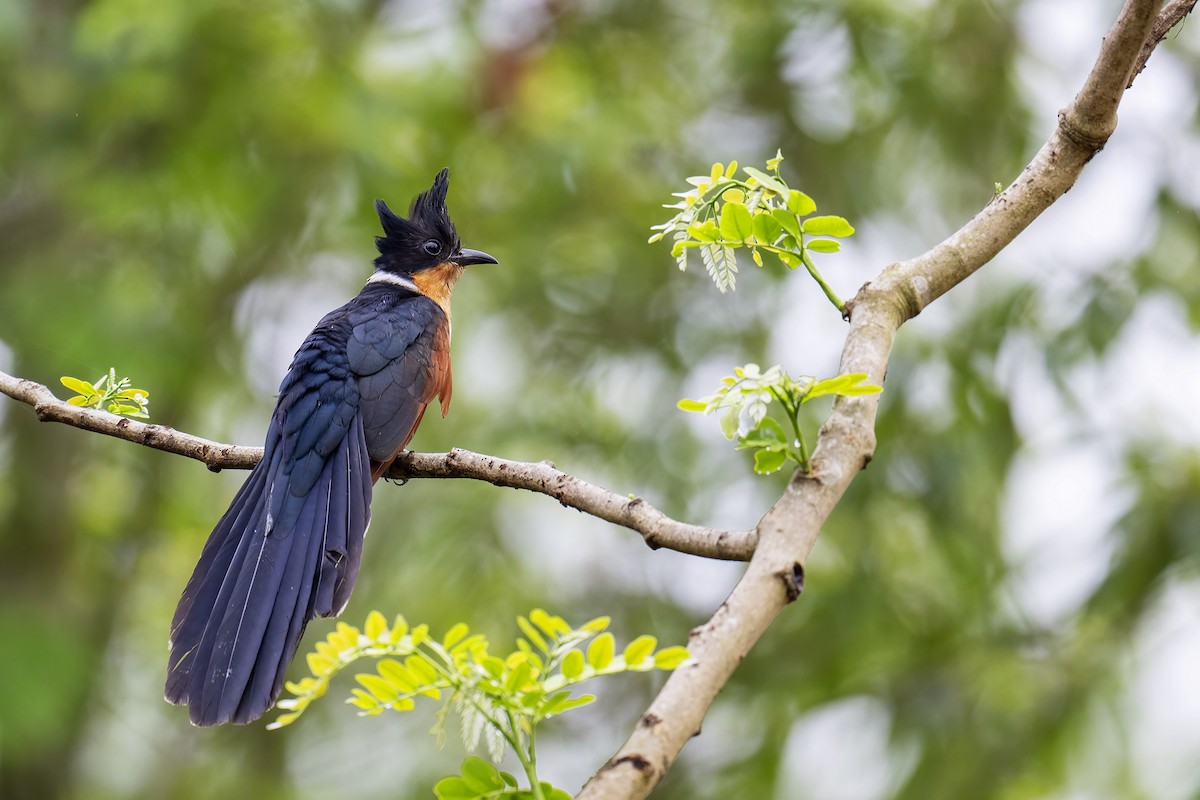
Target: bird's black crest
{"points": [[400, 247]]}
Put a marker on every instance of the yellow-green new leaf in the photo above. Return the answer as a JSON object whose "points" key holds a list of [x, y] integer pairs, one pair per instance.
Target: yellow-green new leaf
{"points": [[283, 720], [639, 650], [75, 385], [381, 689], [766, 228], [362, 699], [454, 788], [319, 664], [800, 204], [376, 627], [600, 651], [397, 675], [766, 181], [532, 634], [671, 657], [848, 384], [828, 226], [787, 220], [480, 776], [455, 635], [736, 223], [823, 245], [562, 701], [554, 626], [593, 625], [519, 677], [572, 665]]}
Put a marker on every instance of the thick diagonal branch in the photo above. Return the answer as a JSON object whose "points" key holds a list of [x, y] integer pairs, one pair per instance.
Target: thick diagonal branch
{"points": [[789, 530], [657, 529]]}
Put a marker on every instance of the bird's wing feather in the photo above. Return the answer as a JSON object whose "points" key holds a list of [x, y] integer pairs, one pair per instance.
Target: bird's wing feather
{"points": [[402, 361], [289, 548], [286, 550]]}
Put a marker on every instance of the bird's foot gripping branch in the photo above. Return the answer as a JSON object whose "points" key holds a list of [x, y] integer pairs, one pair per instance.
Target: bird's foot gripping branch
{"points": [[500, 700]]}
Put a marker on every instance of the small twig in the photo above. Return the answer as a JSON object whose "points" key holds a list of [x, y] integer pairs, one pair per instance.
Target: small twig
{"points": [[657, 529], [1170, 16]]}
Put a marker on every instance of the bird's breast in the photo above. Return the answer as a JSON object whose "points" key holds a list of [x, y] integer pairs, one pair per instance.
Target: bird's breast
{"points": [[437, 284]]}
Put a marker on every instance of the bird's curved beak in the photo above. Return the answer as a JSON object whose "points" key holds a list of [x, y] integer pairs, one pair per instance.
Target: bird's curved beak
{"points": [[466, 257]]}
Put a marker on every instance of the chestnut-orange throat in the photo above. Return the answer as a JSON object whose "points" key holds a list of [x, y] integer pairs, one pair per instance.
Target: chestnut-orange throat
{"points": [[437, 283]]}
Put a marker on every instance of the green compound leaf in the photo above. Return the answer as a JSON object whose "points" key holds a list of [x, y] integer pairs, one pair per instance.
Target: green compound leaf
{"points": [[109, 393], [379, 687], [828, 226], [769, 434], [750, 401], [563, 702], [500, 698], [769, 461], [454, 789], [572, 665], [532, 634], [787, 220], [376, 626], [767, 229], [772, 184], [76, 385], [639, 650], [736, 223], [455, 635], [729, 423], [848, 385], [823, 245], [671, 657], [723, 211], [721, 264], [600, 651], [480, 776], [800, 204]]}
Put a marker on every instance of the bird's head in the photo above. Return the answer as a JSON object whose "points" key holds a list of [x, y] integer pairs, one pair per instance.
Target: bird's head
{"points": [[426, 240]]}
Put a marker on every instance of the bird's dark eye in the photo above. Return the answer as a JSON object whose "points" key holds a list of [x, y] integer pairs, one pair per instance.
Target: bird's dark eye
{"points": [[433, 247]]}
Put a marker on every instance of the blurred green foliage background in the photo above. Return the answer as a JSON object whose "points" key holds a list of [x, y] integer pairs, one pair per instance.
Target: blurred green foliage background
{"points": [[1004, 606]]}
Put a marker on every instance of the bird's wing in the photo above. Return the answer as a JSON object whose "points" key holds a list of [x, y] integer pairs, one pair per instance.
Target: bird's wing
{"points": [[401, 359], [287, 550]]}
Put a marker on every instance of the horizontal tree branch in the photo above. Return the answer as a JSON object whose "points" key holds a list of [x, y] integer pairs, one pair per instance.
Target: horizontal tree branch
{"points": [[657, 529], [789, 530]]}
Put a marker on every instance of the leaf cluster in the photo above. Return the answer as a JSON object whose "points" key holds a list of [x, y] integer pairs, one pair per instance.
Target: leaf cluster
{"points": [[109, 393], [481, 780], [499, 699], [746, 397], [723, 212]]}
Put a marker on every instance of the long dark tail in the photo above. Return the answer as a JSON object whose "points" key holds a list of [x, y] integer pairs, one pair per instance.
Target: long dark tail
{"points": [[287, 550]]}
